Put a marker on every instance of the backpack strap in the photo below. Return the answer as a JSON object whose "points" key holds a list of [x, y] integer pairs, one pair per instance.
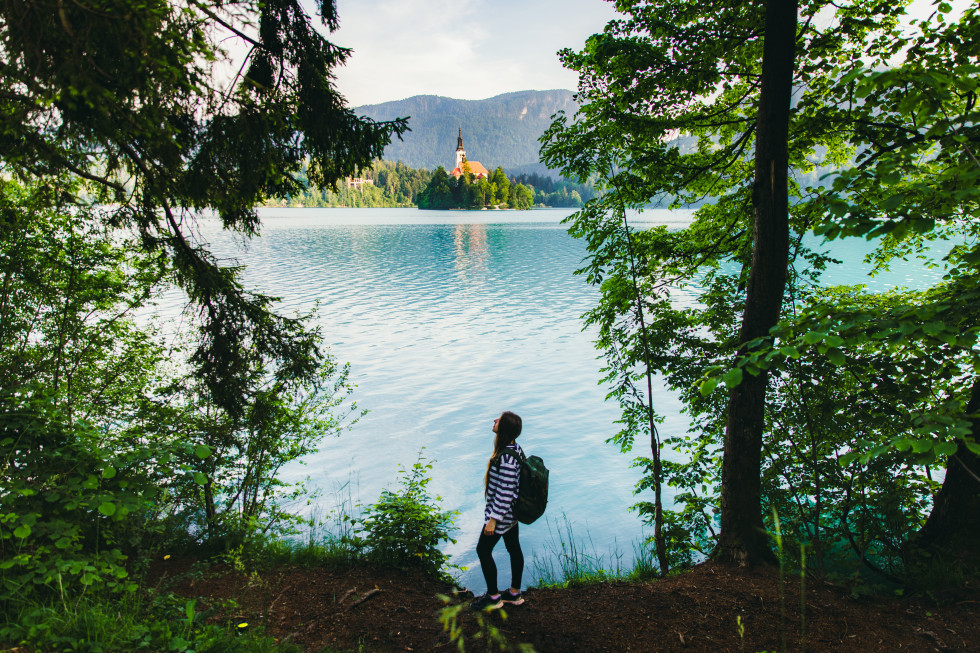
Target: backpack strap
{"points": [[518, 456]]}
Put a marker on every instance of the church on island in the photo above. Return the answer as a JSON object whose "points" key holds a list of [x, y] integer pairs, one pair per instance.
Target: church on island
{"points": [[479, 172]]}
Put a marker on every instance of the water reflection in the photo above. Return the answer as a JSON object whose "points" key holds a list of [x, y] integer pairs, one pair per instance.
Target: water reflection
{"points": [[470, 246]]}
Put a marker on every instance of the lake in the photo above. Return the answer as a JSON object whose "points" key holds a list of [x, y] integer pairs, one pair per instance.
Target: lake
{"points": [[448, 318]]}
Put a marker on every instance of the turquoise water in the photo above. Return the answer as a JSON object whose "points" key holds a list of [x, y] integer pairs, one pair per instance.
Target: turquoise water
{"points": [[448, 318]]}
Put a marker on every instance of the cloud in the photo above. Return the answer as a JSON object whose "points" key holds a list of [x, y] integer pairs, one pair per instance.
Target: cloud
{"points": [[468, 50]]}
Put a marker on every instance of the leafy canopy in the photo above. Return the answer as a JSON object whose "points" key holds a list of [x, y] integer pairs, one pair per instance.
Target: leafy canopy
{"points": [[669, 97], [169, 109]]}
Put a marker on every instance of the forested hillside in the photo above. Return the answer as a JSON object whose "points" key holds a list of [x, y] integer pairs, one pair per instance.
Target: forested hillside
{"points": [[499, 131], [391, 185]]}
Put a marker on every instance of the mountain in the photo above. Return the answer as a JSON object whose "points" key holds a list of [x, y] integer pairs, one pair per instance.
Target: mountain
{"points": [[499, 131]]}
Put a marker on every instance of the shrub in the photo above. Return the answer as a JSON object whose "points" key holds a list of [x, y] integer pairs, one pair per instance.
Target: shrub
{"points": [[404, 528]]}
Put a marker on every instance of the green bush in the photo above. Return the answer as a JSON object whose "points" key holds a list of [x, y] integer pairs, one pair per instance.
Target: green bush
{"points": [[70, 506], [141, 623], [404, 528]]}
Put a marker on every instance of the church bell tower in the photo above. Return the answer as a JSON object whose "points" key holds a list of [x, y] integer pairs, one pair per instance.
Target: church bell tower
{"points": [[460, 152]]}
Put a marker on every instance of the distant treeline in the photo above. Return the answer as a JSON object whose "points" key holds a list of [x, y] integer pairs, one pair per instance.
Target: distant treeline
{"points": [[393, 185], [559, 193]]}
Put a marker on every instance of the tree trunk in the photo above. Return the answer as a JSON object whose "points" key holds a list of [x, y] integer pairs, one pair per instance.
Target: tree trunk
{"points": [[953, 526], [743, 540]]}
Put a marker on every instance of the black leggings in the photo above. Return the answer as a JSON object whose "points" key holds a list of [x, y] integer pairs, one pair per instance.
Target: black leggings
{"points": [[484, 549]]}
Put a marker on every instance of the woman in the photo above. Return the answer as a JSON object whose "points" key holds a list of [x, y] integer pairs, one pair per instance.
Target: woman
{"points": [[500, 486]]}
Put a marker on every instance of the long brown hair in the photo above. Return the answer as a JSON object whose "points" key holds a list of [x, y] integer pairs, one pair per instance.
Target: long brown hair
{"points": [[508, 428]]}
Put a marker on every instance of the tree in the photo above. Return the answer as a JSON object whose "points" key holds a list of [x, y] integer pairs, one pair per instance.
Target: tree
{"points": [[672, 100], [914, 185], [74, 371], [106, 446], [119, 127], [742, 537], [437, 194], [69, 291], [523, 197], [138, 104], [501, 184], [479, 195]]}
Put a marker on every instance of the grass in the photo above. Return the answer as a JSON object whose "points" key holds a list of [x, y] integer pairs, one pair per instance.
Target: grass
{"points": [[569, 561], [327, 541], [142, 621]]}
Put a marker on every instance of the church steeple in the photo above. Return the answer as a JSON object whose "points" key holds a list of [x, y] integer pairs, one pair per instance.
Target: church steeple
{"points": [[460, 152], [474, 167]]}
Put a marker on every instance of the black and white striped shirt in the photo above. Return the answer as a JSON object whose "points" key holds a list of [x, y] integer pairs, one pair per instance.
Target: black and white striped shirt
{"points": [[502, 490]]}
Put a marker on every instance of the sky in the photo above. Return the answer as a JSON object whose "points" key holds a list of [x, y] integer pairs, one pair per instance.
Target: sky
{"points": [[470, 49], [463, 49]]}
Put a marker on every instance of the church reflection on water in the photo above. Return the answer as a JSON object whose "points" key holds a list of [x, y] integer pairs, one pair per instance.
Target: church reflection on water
{"points": [[470, 245]]}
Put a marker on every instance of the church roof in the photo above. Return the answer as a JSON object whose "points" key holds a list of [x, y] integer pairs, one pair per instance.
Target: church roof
{"points": [[475, 167]]}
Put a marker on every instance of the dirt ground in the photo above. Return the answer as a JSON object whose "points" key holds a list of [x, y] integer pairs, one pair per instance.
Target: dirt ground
{"points": [[379, 609]]}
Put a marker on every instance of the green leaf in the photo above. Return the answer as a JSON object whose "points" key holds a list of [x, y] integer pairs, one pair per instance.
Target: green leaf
{"points": [[790, 351], [109, 472], [814, 337], [732, 377], [107, 508], [200, 478], [834, 340], [22, 531], [708, 386], [202, 451], [921, 446], [836, 356], [945, 448], [892, 202]]}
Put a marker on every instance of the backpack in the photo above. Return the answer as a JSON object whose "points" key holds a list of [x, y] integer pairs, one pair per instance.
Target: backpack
{"points": [[532, 492]]}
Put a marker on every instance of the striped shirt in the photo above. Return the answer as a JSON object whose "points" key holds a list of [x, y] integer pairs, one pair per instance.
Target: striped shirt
{"points": [[502, 485]]}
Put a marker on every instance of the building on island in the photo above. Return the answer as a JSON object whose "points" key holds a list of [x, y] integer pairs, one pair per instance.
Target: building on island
{"points": [[357, 182], [479, 172]]}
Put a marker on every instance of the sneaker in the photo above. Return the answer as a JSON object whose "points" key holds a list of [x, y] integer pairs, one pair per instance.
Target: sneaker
{"points": [[486, 602], [512, 599]]}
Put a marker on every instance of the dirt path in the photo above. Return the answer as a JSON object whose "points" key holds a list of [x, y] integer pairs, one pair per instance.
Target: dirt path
{"points": [[392, 610]]}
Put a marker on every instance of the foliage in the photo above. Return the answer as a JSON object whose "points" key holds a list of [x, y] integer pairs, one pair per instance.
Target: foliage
{"points": [[138, 105], [559, 194], [142, 622], [236, 492], [66, 510], [70, 290], [404, 528], [865, 393], [119, 128], [108, 452], [392, 185], [466, 192], [492, 638], [74, 366]]}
